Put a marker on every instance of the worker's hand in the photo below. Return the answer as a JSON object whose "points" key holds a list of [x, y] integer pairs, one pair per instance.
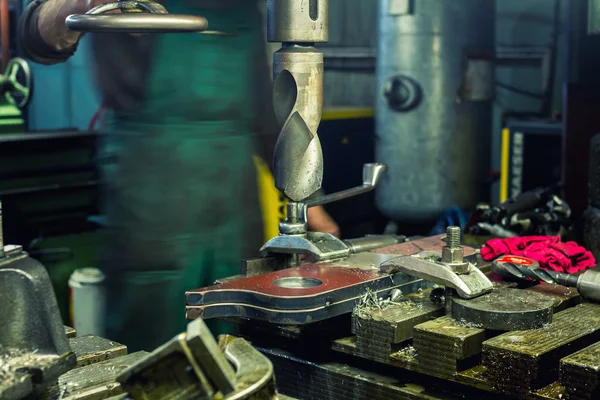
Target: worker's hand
{"points": [[320, 221]]}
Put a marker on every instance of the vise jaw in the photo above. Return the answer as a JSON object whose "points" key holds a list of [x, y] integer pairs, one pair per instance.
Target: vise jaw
{"points": [[34, 349]]}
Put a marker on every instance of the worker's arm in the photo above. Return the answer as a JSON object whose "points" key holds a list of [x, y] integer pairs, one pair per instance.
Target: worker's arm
{"points": [[42, 33]]}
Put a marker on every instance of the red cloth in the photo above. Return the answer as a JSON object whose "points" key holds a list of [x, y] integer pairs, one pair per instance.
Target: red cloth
{"points": [[548, 251]]}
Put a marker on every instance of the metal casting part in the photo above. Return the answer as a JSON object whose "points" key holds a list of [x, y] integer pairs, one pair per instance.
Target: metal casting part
{"points": [[469, 285], [505, 310], [136, 17], [13, 91]]}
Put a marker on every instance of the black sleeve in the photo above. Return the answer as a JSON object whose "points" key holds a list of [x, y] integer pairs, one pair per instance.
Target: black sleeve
{"points": [[32, 44]]}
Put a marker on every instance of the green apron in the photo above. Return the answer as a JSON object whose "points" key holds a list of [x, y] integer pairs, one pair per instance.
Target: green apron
{"points": [[181, 193]]}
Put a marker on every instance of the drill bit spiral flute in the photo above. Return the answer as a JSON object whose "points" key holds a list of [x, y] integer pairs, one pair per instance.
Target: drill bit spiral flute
{"points": [[298, 93]]}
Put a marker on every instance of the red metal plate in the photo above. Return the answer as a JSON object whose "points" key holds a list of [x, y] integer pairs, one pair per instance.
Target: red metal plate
{"points": [[333, 276]]}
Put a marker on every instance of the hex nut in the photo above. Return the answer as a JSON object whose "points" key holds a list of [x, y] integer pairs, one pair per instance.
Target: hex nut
{"points": [[452, 254]]}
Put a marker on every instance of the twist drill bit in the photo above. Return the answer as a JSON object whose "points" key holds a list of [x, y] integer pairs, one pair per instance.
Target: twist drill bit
{"points": [[298, 93], [521, 268]]}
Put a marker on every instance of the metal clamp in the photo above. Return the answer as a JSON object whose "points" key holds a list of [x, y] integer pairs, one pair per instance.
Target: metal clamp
{"points": [[15, 92], [448, 269], [295, 239], [135, 17]]}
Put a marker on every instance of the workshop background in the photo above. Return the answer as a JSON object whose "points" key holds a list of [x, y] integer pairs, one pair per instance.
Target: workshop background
{"points": [[49, 184]]}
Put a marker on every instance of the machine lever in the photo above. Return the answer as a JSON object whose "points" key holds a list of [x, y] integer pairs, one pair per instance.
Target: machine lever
{"points": [[371, 175], [136, 17]]}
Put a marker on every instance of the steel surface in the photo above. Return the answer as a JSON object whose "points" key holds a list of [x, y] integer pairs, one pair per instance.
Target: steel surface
{"points": [[505, 310], [434, 63]]}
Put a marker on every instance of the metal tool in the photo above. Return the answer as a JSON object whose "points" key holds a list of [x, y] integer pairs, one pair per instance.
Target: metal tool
{"points": [[448, 268], [141, 16], [298, 93], [193, 366], [521, 268], [536, 212], [34, 349], [294, 238], [15, 92]]}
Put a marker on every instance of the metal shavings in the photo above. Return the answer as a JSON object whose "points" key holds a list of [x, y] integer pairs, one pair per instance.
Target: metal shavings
{"points": [[369, 301], [408, 352], [468, 324]]}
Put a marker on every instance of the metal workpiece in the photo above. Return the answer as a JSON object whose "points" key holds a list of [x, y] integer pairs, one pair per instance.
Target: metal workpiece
{"points": [[298, 21], [34, 350], [467, 285], [298, 106], [453, 253], [141, 16], [435, 82], [505, 310]]}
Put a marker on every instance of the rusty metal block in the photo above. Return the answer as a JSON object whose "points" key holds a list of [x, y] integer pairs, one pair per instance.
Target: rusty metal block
{"points": [[521, 361], [445, 346], [380, 331], [580, 373], [91, 349]]}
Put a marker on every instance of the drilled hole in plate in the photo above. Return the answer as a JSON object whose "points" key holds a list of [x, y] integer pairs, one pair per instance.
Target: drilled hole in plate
{"points": [[298, 283]]}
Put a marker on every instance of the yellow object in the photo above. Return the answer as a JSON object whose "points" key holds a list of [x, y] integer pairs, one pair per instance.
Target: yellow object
{"points": [[334, 113], [504, 167], [272, 201]]}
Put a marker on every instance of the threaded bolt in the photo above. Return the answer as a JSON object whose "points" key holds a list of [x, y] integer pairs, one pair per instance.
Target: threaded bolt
{"points": [[453, 237]]}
